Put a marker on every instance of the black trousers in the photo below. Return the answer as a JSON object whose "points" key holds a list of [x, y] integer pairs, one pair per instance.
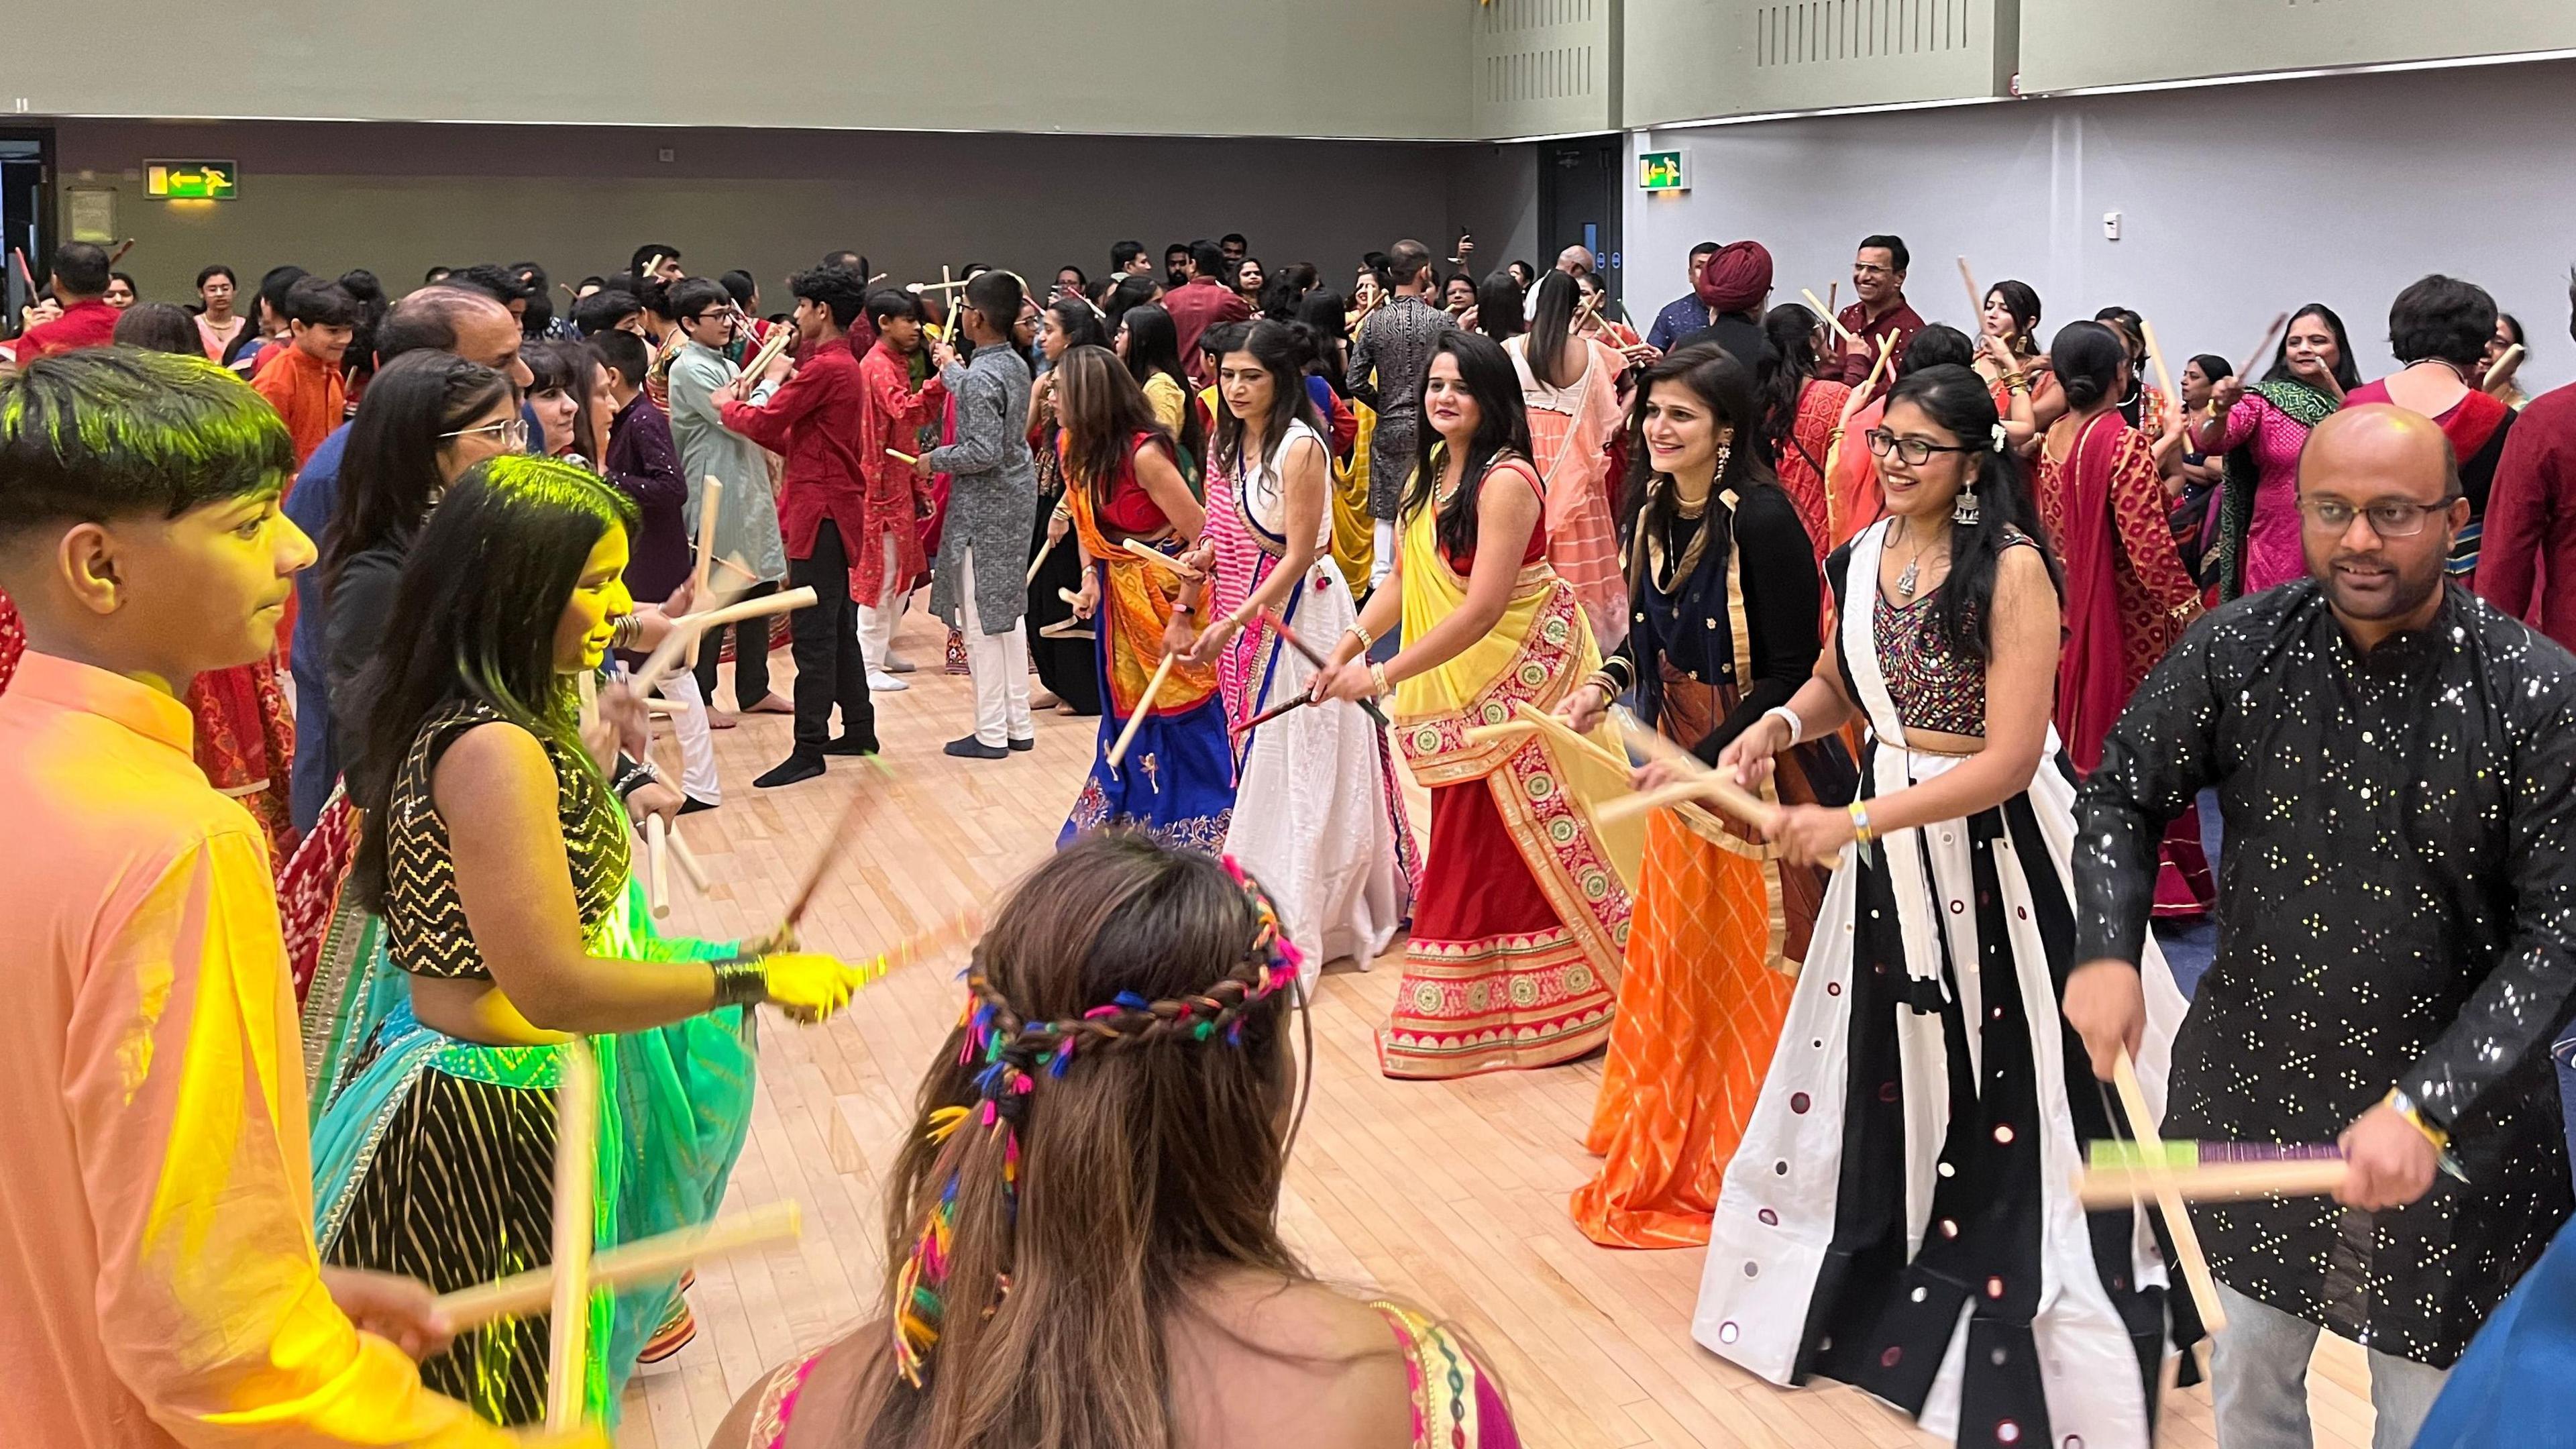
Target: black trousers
{"points": [[825, 636], [750, 656]]}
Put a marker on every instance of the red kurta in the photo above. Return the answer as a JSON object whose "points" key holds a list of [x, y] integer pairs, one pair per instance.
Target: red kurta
{"points": [[815, 422], [83, 324], [893, 413]]}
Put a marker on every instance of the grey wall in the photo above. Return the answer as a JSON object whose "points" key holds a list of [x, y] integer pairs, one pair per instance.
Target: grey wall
{"points": [[399, 198], [2235, 202], [1368, 68]]}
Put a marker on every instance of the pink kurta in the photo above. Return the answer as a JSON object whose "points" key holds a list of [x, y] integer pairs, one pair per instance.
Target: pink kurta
{"points": [[2272, 551]]}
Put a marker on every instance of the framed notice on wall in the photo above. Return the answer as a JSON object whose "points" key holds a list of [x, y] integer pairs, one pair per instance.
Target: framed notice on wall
{"points": [[89, 213]]}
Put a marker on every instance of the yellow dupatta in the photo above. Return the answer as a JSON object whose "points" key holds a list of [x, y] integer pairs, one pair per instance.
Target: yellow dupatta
{"points": [[1354, 532], [1537, 653], [1136, 602]]}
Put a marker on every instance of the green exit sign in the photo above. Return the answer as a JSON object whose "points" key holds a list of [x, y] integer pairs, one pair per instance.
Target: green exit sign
{"points": [[1661, 171], [191, 180]]}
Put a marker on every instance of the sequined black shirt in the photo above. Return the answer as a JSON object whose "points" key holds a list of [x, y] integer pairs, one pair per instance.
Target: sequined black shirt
{"points": [[2397, 908]]}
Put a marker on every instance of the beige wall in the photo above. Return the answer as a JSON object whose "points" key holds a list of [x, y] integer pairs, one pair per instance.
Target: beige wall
{"points": [[397, 199], [2072, 43], [1360, 68]]}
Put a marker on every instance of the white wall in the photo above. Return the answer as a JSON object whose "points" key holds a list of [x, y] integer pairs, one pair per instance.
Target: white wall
{"points": [[2236, 202]]}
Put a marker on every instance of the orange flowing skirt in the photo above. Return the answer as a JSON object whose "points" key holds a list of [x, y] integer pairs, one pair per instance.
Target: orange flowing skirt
{"points": [[1699, 1015]]}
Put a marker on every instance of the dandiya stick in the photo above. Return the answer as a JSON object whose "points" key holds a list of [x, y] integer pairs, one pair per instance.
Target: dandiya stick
{"points": [[576, 1163], [901, 457], [1299, 701], [2254, 359], [122, 248], [690, 626], [1288, 636], [827, 857], [1039, 562], [1159, 559], [688, 860], [1853, 401], [663, 707], [1144, 706], [2164, 377], [1067, 629], [660, 1256], [1705, 783], [707, 500], [2186, 1240], [2112, 1187], [1833, 295], [2502, 371], [657, 860], [1976, 299], [1845, 333], [772, 345]]}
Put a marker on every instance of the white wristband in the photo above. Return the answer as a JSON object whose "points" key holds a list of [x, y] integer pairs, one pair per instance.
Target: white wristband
{"points": [[1797, 726]]}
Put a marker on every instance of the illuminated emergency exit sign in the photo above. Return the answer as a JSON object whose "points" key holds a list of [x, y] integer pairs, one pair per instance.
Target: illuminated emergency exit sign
{"points": [[1661, 171], [191, 180]]}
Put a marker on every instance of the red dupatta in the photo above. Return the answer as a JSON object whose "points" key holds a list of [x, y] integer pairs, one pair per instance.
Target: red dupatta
{"points": [[2075, 503]]}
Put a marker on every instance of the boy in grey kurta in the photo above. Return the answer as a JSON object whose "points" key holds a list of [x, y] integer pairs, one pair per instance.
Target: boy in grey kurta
{"points": [[747, 509], [978, 584]]}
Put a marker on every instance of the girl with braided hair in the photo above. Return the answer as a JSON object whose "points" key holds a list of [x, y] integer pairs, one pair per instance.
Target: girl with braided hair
{"points": [[1083, 1224]]}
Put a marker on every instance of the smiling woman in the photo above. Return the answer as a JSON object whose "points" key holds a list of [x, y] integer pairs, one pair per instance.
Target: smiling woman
{"points": [[435, 1158]]}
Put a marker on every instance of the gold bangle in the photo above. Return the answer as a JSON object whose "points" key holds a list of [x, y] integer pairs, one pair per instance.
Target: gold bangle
{"points": [[1362, 635], [1377, 676]]}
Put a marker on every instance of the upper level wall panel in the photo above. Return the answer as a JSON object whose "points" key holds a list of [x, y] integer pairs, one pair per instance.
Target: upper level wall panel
{"points": [[1329, 68], [2066, 44], [1693, 60]]}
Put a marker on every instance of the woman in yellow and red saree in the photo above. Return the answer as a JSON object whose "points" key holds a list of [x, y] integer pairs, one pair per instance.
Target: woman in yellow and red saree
{"points": [[1523, 912]]}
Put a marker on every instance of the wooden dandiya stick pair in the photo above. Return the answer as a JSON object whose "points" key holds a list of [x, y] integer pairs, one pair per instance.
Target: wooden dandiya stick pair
{"points": [[1705, 784], [1312, 655], [775, 343], [1853, 402], [2168, 1196], [1162, 670]]}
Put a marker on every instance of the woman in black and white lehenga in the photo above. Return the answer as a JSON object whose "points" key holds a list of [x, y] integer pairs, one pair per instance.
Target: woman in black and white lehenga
{"points": [[1899, 1215]]}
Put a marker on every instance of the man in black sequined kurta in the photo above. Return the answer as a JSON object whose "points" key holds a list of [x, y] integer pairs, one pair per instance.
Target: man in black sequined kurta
{"points": [[2397, 927]]}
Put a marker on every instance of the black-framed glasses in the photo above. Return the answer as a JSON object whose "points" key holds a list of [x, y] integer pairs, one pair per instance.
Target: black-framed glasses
{"points": [[2391, 519], [1913, 450]]}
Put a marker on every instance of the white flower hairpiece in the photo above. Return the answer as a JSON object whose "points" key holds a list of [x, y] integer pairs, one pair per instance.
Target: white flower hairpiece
{"points": [[1999, 437]]}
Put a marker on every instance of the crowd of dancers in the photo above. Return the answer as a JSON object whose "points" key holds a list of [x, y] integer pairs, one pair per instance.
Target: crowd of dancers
{"points": [[1815, 707]]}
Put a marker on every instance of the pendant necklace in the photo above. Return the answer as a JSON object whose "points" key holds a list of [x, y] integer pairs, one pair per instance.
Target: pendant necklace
{"points": [[1905, 581]]}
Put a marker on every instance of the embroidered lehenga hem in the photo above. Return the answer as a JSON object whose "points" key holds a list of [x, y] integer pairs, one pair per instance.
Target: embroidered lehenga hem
{"points": [[1523, 914]]}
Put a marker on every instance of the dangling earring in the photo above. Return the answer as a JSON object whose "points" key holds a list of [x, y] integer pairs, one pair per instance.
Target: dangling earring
{"points": [[1725, 451], [1964, 512]]}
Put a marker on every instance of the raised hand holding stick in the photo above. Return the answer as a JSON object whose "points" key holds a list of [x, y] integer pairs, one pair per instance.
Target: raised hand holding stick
{"points": [[660, 1256]]}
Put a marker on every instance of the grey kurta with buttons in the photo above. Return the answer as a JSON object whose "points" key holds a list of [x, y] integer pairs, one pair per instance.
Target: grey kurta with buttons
{"points": [[992, 490], [2397, 908]]}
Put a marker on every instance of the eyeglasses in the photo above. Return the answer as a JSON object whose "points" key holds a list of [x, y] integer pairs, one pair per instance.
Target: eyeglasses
{"points": [[1912, 450], [1868, 269], [512, 431], [2388, 520]]}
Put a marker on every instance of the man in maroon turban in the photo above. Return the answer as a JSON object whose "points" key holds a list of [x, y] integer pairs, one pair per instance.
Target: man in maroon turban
{"points": [[1733, 286]]}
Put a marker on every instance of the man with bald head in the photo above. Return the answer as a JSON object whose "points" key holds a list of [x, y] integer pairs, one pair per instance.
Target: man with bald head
{"points": [[2397, 930], [469, 324]]}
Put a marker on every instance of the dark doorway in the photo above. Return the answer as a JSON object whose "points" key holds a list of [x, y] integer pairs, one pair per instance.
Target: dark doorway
{"points": [[26, 211], [1578, 202]]}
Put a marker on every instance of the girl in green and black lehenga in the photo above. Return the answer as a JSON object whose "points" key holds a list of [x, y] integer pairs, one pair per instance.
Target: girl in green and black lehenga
{"points": [[436, 1158]]}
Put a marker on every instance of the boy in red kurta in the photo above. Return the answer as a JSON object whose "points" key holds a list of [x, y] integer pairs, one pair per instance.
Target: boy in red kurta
{"points": [[888, 555]]}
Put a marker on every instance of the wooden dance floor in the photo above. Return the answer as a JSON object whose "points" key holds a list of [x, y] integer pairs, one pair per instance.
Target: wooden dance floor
{"points": [[1451, 1195]]}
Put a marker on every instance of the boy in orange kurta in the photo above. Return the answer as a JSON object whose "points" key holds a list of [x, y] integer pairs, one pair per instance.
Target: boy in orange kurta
{"points": [[305, 384]]}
